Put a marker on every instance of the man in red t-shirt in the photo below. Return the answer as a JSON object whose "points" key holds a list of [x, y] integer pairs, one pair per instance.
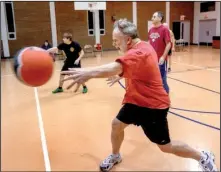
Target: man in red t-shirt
{"points": [[159, 38], [145, 103]]}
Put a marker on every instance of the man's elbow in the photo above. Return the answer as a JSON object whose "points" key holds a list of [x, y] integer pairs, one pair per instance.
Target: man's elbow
{"points": [[118, 69], [169, 44]]}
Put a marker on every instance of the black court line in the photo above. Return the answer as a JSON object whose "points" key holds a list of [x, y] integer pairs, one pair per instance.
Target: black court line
{"points": [[197, 111], [194, 85], [198, 122]]}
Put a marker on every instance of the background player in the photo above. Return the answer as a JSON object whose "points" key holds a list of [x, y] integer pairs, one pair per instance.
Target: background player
{"points": [[74, 53], [159, 38]]}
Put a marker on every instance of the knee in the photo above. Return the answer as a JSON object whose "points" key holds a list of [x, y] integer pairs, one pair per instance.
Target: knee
{"points": [[117, 126], [166, 148]]}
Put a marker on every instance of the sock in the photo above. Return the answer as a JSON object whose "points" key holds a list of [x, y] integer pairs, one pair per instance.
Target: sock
{"points": [[84, 86], [116, 155]]}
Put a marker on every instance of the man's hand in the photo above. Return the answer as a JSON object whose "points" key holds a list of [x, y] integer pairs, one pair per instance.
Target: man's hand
{"points": [[161, 60], [79, 76], [112, 80], [82, 75], [77, 62]]}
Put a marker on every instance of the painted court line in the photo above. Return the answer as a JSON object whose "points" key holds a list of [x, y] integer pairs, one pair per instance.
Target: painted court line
{"points": [[195, 111], [194, 85], [198, 122], [42, 133], [200, 67]]}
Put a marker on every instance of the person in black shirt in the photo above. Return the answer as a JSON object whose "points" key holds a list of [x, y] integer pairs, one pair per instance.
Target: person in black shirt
{"points": [[74, 53]]}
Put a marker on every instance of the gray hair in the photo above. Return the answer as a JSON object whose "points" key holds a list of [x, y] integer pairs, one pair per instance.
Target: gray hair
{"points": [[126, 28], [160, 14]]}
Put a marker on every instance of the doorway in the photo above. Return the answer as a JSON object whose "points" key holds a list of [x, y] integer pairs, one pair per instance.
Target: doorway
{"points": [[207, 29], [181, 30]]}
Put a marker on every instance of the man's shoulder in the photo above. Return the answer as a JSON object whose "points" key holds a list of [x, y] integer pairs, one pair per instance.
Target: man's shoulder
{"points": [[142, 49]]}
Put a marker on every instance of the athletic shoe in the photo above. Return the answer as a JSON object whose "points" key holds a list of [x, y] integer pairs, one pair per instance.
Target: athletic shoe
{"points": [[207, 162], [58, 90], [109, 162], [85, 90]]}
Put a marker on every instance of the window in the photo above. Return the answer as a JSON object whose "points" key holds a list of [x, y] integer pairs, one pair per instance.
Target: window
{"points": [[91, 29], [10, 19], [207, 6]]}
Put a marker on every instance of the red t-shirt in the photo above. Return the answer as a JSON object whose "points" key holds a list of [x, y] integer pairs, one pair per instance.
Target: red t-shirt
{"points": [[158, 38], [144, 85]]}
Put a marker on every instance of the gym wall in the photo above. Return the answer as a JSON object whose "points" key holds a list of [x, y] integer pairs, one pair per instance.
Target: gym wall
{"points": [[33, 24]]}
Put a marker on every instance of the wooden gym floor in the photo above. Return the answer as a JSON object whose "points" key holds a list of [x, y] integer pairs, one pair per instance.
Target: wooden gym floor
{"points": [[77, 127]]}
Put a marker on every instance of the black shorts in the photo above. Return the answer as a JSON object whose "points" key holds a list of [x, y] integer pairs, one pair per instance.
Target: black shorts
{"points": [[153, 121], [66, 66], [170, 52]]}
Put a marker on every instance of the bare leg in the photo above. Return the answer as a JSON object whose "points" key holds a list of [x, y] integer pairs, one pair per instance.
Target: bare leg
{"points": [[117, 135], [61, 82], [206, 159], [181, 149]]}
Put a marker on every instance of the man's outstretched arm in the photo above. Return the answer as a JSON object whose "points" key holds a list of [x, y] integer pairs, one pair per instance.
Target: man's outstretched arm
{"points": [[107, 70], [84, 74], [103, 71]]}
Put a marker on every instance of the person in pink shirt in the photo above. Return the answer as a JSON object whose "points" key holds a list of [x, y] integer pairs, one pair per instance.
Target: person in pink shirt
{"points": [[159, 38]]}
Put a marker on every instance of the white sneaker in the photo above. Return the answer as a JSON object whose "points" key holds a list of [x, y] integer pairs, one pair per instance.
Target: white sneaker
{"points": [[109, 162], [208, 163]]}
